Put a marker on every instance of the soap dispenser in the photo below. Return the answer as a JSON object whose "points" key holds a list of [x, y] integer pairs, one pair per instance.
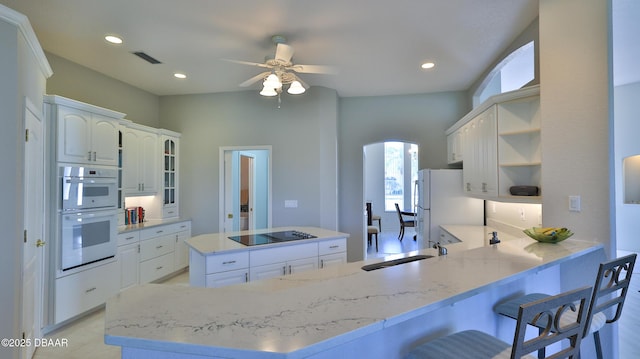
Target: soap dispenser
{"points": [[494, 238]]}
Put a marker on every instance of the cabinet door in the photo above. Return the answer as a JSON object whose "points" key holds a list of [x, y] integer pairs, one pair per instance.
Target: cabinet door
{"points": [[130, 160], [74, 135], [487, 132], [104, 140], [227, 278], [267, 271], [302, 265], [148, 175], [128, 260], [331, 260], [181, 251]]}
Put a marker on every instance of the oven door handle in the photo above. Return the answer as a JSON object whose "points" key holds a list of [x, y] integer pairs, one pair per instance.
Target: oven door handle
{"points": [[90, 215], [91, 180]]}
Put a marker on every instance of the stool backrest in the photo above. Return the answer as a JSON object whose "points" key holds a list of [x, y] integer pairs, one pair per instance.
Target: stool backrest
{"points": [[611, 288], [546, 314]]}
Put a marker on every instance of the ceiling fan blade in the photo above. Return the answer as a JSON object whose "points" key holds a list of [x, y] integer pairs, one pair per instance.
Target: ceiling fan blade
{"points": [[284, 52], [255, 79], [314, 69], [247, 63]]}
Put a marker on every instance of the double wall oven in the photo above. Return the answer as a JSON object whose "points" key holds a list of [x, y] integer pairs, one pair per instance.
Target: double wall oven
{"points": [[88, 215]]}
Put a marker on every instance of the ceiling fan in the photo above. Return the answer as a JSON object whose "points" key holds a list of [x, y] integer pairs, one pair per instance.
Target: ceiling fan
{"points": [[282, 71]]}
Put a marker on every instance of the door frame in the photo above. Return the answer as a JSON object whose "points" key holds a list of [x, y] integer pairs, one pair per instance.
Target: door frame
{"points": [[222, 173]]}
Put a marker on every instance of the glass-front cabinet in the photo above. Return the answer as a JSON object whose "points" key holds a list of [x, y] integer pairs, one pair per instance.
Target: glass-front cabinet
{"points": [[170, 174]]}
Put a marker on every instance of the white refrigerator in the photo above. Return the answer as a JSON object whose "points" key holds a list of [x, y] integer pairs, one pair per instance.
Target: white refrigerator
{"points": [[440, 200]]}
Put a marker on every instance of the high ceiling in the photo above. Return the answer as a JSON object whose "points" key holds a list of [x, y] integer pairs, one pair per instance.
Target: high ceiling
{"points": [[376, 46]]}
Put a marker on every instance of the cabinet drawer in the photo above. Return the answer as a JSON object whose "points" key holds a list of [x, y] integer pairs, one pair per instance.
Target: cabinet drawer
{"points": [[157, 231], [156, 247], [169, 212], [156, 268], [283, 254], [128, 238], [226, 262], [332, 246], [178, 227], [85, 290]]}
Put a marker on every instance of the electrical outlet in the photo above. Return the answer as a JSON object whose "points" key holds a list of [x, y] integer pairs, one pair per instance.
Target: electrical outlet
{"points": [[574, 204], [522, 216]]}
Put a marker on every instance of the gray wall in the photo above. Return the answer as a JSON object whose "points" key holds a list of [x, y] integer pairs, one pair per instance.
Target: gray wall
{"points": [[420, 119], [303, 136], [83, 84]]}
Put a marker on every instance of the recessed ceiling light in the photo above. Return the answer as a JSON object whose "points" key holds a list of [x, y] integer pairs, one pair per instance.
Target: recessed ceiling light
{"points": [[113, 39], [180, 75], [428, 65]]}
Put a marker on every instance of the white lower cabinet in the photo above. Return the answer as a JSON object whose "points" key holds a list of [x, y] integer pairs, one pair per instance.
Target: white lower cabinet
{"points": [[332, 252], [156, 268], [79, 292], [283, 268], [227, 278], [129, 261], [240, 266]]}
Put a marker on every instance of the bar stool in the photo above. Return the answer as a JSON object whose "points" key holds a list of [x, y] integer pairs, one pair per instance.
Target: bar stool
{"points": [[612, 284], [473, 344]]}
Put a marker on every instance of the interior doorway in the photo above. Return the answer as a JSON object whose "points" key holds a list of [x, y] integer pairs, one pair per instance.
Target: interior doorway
{"points": [[245, 188], [390, 170]]}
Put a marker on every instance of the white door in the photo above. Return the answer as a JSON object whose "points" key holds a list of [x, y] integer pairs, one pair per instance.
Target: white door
{"points": [[247, 181], [32, 300]]}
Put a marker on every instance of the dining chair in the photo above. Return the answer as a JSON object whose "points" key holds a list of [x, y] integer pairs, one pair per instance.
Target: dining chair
{"points": [[610, 289], [404, 223], [549, 312], [371, 229]]}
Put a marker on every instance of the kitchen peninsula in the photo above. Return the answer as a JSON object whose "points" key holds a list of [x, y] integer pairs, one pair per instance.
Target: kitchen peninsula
{"points": [[344, 311]]}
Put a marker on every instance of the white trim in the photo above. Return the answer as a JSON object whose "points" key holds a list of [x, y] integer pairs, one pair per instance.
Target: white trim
{"points": [[22, 22]]}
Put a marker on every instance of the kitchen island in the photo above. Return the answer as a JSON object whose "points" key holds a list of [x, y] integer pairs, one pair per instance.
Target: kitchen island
{"points": [[344, 311], [220, 259]]}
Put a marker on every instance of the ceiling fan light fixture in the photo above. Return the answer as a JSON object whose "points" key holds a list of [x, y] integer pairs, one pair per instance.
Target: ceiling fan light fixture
{"points": [[296, 88], [272, 81], [268, 91], [428, 65]]}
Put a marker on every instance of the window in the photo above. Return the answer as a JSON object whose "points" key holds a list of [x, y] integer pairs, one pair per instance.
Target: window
{"points": [[399, 156], [512, 73]]}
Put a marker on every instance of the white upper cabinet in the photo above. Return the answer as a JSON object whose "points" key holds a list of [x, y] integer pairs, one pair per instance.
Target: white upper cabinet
{"points": [[501, 146], [139, 161], [169, 143], [86, 134]]}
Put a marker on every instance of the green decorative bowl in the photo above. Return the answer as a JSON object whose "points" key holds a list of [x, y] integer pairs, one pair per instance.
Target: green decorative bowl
{"points": [[549, 236]]}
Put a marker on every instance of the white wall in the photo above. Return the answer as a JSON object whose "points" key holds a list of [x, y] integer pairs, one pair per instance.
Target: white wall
{"points": [[303, 135], [420, 119], [83, 84], [574, 100], [626, 129]]}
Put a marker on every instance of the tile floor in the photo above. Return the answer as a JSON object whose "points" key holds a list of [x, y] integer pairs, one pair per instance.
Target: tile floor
{"points": [[86, 336]]}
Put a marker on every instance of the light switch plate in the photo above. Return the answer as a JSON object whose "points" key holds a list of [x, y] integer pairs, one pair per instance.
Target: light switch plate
{"points": [[574, 204], [291, 203]]}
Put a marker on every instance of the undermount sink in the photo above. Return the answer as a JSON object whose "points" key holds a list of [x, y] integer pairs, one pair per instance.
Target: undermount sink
{"points": [[395, 262]]}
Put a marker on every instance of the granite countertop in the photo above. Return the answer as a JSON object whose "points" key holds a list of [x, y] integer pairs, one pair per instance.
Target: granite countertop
{"points": [[303, 314], [219, 242]]}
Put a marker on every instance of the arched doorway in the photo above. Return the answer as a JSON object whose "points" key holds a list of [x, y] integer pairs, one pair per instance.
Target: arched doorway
{"points": [[390, 169]]}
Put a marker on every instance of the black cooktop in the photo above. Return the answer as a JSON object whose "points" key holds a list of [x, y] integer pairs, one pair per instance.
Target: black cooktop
{"points": [[271, 237]]}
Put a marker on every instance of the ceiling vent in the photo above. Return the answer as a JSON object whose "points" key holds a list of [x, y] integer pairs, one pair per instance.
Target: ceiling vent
{"points": [[147, 58]]}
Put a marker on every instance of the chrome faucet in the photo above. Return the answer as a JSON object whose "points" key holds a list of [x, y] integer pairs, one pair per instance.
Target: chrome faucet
{"points": [[441, 250], [494, 238]]}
